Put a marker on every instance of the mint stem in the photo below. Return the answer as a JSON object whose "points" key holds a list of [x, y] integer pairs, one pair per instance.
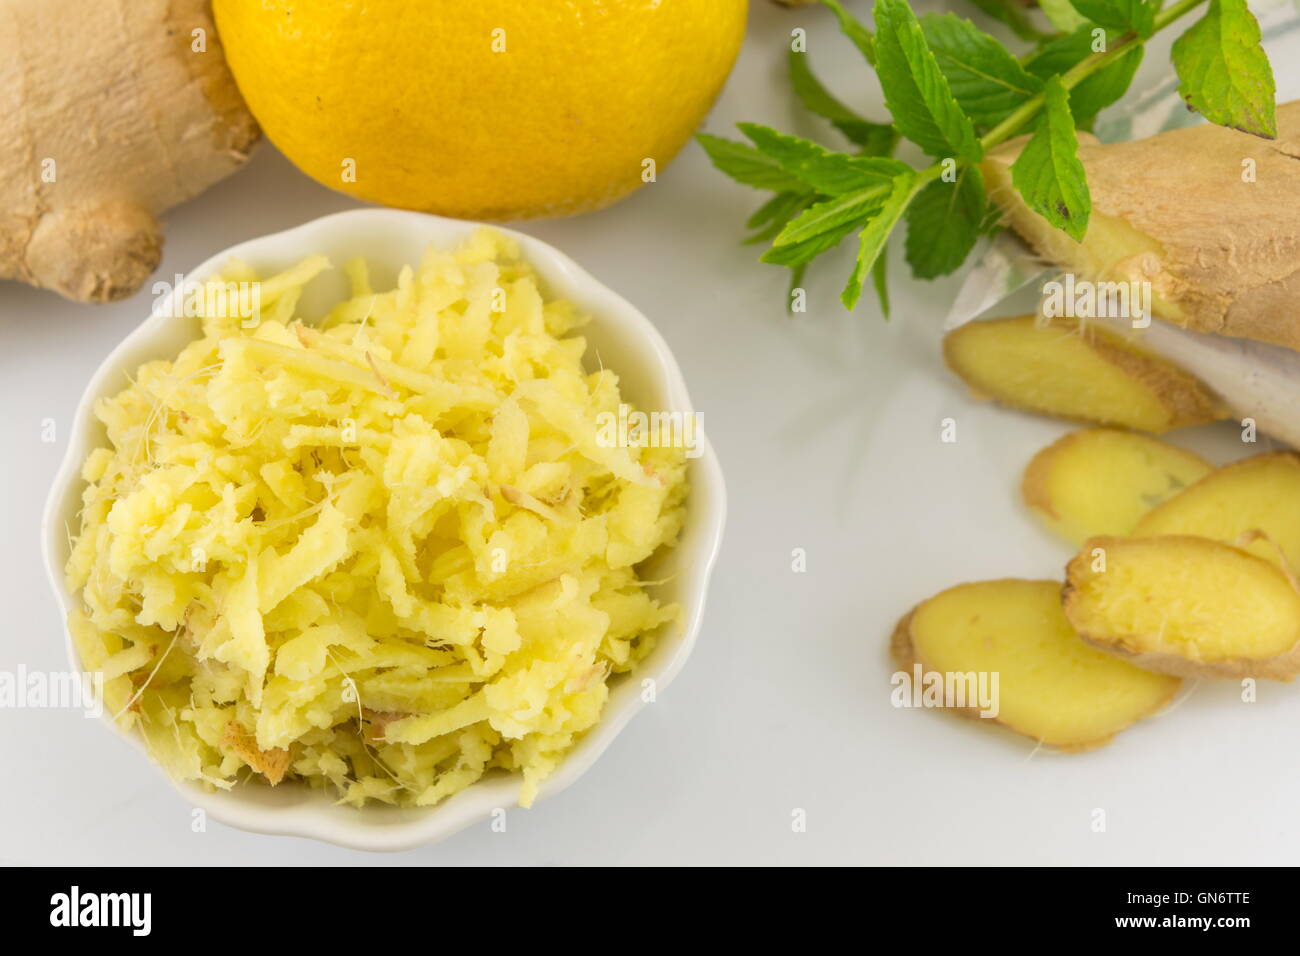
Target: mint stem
{"points": [[1016, 122]]}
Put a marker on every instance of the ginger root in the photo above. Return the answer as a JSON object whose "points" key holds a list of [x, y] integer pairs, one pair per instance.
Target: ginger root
{"points": [[1100, 481], [1221, 249], [114, 112], [1051, 686], [1079, 374], [1184, 605]]}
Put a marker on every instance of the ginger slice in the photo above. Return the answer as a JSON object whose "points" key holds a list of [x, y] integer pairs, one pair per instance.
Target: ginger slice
{"points": [[1102, 481], [1079, 374], [1051, 686], [1257, 494], [1180, 604]]}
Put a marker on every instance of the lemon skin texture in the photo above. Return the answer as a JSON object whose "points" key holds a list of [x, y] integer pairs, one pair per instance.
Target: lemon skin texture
{"points": [[491, 109]]}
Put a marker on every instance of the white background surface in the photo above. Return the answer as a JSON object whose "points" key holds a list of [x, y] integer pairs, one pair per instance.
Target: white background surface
{"points": [[828, 427]]}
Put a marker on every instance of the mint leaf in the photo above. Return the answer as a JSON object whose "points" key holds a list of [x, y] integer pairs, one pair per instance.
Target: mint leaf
{"points": [[1104, 87], [817, 167], [797, 253], [770, 218], [850, 209], [772, 209], [944, 222], [1062, 15], [1096, 92], [1011, 13], [987, 81], [1063, 52], [1121, 15], [854, 30], [877, 139], [871, 241], [916, 90], [880, 279], [1048, 173], [1223, 72], [747, 165]]}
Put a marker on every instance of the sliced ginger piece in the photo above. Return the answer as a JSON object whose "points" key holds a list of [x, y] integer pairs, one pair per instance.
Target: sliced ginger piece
{"points": [[1102, 481], [1185, 605], [1079, 374], [1257, 494], [1051, 686]]}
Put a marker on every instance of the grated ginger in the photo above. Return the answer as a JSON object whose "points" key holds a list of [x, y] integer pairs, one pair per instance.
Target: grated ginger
{"points": [[382, 555]]}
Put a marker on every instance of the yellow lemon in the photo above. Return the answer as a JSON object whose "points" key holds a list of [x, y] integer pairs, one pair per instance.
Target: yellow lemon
{"points": [[492, 109]]}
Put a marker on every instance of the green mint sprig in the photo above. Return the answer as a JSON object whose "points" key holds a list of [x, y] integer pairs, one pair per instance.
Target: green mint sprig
{"points": [[956, 92]]}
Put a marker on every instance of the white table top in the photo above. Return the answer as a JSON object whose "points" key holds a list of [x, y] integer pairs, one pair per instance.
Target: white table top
{"points": [[827, 425]]}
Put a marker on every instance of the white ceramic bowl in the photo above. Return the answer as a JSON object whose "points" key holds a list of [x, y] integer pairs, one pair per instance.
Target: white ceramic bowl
{"points": [[624, 339]]}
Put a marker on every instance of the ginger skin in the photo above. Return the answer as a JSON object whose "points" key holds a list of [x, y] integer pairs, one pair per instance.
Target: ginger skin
{"points": [[116, 111]]}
